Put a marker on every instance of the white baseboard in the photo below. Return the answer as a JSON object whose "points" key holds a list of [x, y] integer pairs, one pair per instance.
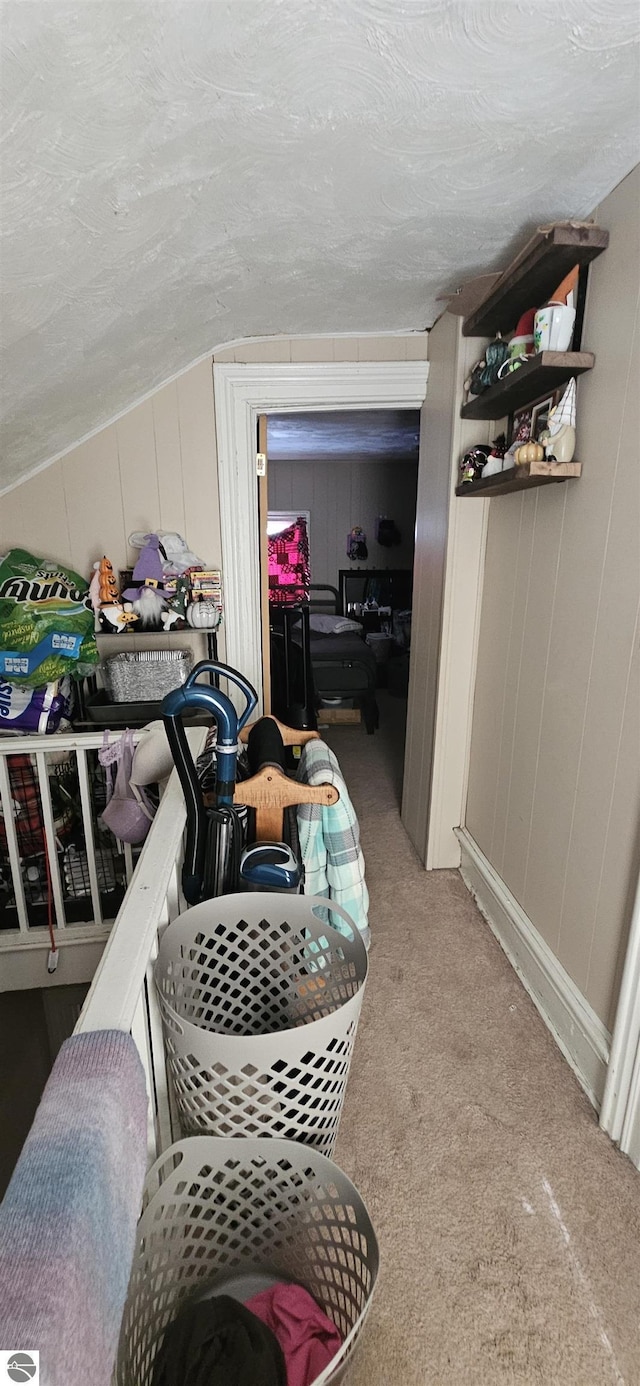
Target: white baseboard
{"points": [[577, 1030]]}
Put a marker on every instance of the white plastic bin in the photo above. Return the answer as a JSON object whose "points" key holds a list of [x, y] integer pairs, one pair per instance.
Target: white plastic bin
{"points": [[260, 1003], [221, 1215]]}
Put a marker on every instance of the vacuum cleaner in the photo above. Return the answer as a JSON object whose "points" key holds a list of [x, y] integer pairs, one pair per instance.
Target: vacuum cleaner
{"points": [[217, 860]]}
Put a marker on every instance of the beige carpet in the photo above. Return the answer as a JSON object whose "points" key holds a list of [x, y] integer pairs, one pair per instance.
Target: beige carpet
{"points": [[509, 1226]]}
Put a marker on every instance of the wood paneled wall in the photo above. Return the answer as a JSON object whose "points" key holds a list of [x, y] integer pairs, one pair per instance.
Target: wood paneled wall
{"points": [[554, 777], [403, 346], [156, 467], [340, 495]]}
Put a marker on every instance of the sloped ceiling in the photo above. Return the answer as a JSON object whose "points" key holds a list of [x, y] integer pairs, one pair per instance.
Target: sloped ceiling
{"points": [[180, 175]]}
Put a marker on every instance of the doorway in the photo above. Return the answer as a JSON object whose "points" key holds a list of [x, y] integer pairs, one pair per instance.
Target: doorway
{"points": [[346, 480], [243, 392]]}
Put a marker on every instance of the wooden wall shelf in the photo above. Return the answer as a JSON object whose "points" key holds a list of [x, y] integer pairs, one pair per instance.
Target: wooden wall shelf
{"points": [[540, 376], [520, 479], [533, 276]]}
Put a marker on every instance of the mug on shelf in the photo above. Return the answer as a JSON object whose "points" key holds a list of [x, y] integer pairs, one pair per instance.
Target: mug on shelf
{"points": [[553, 328]]}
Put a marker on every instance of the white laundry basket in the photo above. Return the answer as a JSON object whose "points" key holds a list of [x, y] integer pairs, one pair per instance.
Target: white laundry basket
{"points": [[230, 1216], [260, 1003]]}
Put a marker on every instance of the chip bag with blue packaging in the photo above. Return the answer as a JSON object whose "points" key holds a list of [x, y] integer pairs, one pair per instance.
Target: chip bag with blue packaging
{"points": [[46, 621]]}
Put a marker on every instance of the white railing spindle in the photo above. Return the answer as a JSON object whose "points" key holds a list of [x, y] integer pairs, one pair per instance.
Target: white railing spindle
{"points": [[128, 861], [50, 837], [12, 846], [87, 826]]}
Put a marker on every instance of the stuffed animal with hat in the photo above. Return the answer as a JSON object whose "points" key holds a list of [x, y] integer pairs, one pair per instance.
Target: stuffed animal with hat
{"points": [[147, 591]]}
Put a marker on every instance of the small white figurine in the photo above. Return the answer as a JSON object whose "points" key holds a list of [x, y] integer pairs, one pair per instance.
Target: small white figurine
{"points": [[559, 438]]}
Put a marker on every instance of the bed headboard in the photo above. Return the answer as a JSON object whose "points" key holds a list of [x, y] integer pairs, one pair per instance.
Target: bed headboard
{"points": [[329, 603]]}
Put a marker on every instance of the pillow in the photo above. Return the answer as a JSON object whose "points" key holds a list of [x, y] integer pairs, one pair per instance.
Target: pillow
{"points": [[334, 625]]}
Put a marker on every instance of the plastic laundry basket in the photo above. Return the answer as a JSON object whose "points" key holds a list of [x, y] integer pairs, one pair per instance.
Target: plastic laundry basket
{"points": [[260, 1002], [233, 1215]]}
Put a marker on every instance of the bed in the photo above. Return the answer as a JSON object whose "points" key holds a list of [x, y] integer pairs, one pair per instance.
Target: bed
{"points": [[344, 666], [312, 665]]}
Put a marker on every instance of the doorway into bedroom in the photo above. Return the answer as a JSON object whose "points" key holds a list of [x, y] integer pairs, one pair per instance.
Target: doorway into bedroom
{"points": [[338, 512]]}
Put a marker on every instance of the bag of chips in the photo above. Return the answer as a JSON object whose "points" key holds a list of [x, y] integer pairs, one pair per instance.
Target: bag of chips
{"points": [[46, 621]]}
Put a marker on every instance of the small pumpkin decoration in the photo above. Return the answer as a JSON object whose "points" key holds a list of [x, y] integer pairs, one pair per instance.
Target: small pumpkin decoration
{"points": [[203, 615], [528, 453]]}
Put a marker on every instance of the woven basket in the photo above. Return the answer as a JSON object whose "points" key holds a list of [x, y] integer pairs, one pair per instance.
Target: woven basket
{"points": [[145, 675]]}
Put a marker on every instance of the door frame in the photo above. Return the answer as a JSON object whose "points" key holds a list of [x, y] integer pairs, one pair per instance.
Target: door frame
{"points": [[242, 393]]}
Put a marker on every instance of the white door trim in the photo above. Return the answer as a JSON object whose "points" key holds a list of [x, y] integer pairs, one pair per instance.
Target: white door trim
{"points": [[620, 1114], [241, 393], [459, 636]]}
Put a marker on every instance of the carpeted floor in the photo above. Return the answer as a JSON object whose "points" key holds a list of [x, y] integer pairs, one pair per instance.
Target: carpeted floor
{"points": [[509, 1226]]}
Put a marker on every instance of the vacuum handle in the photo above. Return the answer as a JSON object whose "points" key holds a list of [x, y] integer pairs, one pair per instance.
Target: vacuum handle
{"points": [[215, 702], [212, 666]]}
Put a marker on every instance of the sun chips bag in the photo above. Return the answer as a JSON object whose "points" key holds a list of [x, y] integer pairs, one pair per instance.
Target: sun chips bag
{"points": [[46, 621]]}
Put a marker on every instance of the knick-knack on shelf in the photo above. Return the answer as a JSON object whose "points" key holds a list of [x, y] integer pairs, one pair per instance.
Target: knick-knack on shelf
{"points": [[495, 460], [147, 589], [175, 616], [559, 438], [203, 615], [473, 462], [112, 615]]}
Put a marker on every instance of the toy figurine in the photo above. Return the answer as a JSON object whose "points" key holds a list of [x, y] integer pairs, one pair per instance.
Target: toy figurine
{"points": [[473, 462], [103, 588], [495, 460], [147, 591], [496, 354], [175, 616], [112, 615], [559, 438], [116, 618]]}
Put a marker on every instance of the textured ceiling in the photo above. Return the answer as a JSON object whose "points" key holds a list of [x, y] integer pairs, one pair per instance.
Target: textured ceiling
{"points": [[344, 435], [179, 175]]}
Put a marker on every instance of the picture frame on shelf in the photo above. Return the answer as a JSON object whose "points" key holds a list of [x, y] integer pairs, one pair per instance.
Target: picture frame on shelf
{"points": [[540, 414], [517, 424], [540, 417], [534, 417]]}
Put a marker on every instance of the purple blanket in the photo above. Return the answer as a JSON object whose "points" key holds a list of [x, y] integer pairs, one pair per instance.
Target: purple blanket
{"points": [[68, 1219]]}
